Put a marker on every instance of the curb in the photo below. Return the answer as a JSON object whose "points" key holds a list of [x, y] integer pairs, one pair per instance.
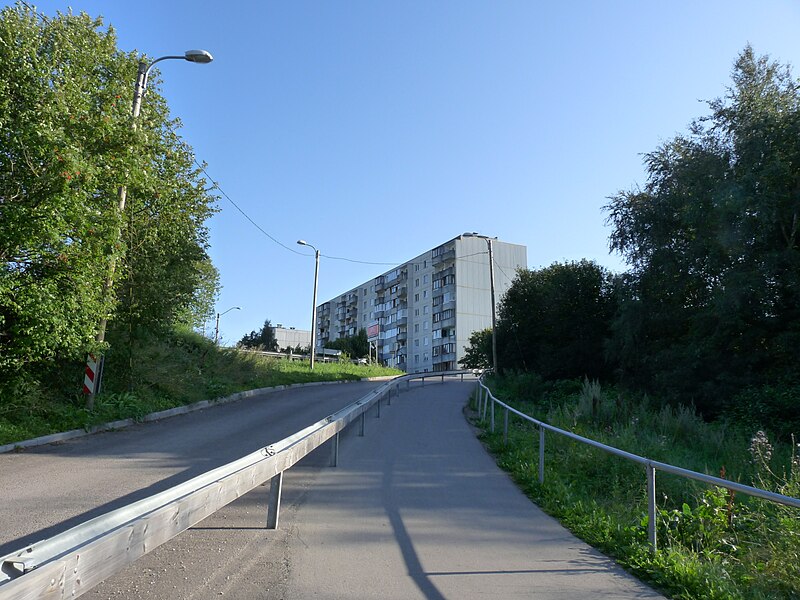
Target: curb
{"points": [[55, 438]]}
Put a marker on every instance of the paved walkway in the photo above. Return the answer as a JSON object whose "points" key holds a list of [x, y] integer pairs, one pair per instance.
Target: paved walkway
{"points": [[418, 509]]}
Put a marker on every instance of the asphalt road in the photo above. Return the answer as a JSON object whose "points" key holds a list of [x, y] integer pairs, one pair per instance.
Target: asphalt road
{"points": [[415, 509], [48, 489]]}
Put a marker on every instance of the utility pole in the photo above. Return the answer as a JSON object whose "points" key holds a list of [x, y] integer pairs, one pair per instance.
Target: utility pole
{"points": [[494, 310]]}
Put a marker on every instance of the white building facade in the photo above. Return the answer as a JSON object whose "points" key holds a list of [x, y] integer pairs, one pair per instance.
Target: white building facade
{"points": [[289, 337], [421, 314]]}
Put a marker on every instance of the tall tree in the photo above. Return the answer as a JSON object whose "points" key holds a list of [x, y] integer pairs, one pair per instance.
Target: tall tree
{"points": [[355, 346], [713, 296], [263, 339], [556, 321], [66, 145], [478, 355]]}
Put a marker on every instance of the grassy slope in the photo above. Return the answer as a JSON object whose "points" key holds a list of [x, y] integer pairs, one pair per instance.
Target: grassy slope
{"points": [[165, 373], [711, 544]]}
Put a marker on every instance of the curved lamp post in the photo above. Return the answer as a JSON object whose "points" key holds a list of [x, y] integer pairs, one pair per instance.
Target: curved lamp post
{"points": [[195, 56], [216, 328], [314, 304]]}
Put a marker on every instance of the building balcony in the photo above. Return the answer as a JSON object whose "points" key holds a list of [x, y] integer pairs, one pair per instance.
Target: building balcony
{"points": [[444, 257], [444, 272], [451, 322]]}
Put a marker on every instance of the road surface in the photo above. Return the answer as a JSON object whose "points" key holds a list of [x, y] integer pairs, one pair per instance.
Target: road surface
{"points": [[48, 489], [415, 509]]}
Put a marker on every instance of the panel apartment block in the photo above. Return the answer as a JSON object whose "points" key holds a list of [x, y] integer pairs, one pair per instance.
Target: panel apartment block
{"points": [[420, 314]]}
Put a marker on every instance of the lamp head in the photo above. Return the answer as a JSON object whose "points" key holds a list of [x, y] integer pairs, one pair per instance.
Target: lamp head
{"points": [[198, 56]]}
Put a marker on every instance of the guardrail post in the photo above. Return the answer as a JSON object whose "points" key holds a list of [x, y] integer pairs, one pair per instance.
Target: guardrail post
{"points": [[485, 405], [442, 378], [492, 415], [335, 450], [505, 428], [274, 507], [378, 411], [389, 395], [362, 423], [651, 507], [541, 455]]}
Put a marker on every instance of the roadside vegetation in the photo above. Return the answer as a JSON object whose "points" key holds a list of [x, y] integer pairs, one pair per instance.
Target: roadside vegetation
{"points": [[161, 372], [712, 544], [691, 357]]}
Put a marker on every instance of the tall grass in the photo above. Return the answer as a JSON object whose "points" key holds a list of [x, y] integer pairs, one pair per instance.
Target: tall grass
{"points": [[712, 544], [159, 374]]}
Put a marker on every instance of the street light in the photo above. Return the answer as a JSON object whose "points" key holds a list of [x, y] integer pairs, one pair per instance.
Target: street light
{"points": [[195, 56], [216, 329], [314, 304]]}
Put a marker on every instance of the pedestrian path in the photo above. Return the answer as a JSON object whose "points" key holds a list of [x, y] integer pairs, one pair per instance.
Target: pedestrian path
{"points": [[418, 509]]}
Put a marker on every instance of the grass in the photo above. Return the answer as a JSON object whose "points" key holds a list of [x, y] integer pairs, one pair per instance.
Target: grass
{"points": [[158, 374], [712, 544]]}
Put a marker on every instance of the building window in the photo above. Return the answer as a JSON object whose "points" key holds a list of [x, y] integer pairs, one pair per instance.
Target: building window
{"points": [[425, 309], [416, 327], [416, 282], [416, 343], [416, 358], [426, 325], [437, 300], [416, 268], [425, 341], [416, 312], [416, 297], [443, 315], [424, 279]]}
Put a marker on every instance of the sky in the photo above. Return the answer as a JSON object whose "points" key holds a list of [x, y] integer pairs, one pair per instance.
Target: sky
{"points": [[378, 130]]}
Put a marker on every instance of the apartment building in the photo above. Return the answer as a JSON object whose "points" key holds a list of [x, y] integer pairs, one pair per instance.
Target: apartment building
{"points": [[420, 315], [289, 337]]}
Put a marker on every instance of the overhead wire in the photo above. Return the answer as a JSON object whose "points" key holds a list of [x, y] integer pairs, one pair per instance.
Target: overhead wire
{"points": [[218, 187]]}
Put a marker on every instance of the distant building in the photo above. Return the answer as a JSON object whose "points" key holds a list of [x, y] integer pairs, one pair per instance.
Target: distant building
{"points": [[421, 314], [291, 337]]}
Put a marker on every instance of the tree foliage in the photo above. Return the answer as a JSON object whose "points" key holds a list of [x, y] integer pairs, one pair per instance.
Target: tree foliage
{"points": [[66, 146], [355, 346], [712, 301], [478, 355], [264, 339], [555, 321]]}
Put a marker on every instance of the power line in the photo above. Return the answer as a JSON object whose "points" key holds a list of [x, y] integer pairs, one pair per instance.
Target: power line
{"points": [[257, 226]]}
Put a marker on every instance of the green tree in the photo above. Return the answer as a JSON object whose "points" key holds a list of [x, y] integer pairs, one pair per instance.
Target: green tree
{"points": [[64, 131], [712, 301], [66, 146], [355, 346], [479, 352], [264, 339], [556, 321]]}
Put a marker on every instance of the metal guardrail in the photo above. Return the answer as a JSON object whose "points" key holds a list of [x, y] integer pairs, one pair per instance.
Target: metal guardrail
{"points": [[485, 395], [71, 563]]}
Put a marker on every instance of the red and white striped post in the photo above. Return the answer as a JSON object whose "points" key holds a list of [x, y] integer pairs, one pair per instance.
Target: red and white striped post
{"points": [[90, 378]]}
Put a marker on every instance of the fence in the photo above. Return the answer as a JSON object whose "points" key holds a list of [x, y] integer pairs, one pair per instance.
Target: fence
{"points": [[70, 564], [651, 466]]}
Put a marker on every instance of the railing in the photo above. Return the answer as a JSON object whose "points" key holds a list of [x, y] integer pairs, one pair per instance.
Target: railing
{"points": [[71, 563], [485, 395]]}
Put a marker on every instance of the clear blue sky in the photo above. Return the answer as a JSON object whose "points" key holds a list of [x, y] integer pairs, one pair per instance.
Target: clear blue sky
{"points": [[377, 130]]}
